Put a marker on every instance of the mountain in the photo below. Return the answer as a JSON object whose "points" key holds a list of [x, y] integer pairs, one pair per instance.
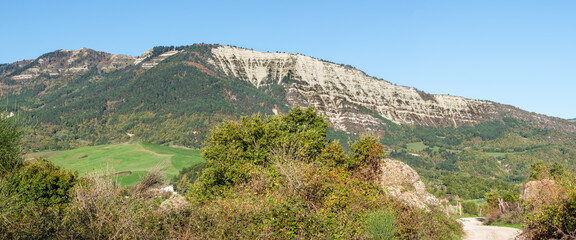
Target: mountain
{"points": [[353, 101], [174, 95]]}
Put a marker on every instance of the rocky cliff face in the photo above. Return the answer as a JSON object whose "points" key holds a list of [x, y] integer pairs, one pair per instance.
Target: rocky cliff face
{"points": [[352, 100], [7, 69], [69, 62]]}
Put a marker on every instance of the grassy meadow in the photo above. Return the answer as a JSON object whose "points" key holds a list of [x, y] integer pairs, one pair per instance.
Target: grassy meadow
{"points": [[126, 161]]}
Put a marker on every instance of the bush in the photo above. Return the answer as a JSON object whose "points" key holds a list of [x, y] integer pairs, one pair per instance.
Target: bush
{"points": [[470, 207], [422, 224], [187, 177], [45, 184], [366, 159], [381, 225], [278, 177], [9, 147], [235, 151], [32, 198], [552, 214], [502, 206], [100, 211]]}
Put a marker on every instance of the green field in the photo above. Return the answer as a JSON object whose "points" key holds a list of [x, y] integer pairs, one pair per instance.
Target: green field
{"points": [[502, 154], [496, 154], [420, 146], [127, 161], [416, 146]]}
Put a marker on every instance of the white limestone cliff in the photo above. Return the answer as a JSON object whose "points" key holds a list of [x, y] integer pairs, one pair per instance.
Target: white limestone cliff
{"points": [[334, 89]]}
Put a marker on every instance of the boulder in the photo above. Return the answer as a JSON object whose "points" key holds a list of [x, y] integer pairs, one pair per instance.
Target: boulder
{"points": [[403, 182], [539, 190]]}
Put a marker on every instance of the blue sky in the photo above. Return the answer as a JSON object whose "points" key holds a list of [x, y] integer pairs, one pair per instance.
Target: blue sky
{"points": [[521, 53]]}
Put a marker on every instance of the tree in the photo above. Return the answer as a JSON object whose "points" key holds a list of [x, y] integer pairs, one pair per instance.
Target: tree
{"points": [[538, 171], [367, 154], [10, 150], [45, 184], [557, 171], [234, 151]]}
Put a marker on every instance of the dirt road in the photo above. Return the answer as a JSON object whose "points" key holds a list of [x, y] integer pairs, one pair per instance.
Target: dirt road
{"points": [[476, 231]]}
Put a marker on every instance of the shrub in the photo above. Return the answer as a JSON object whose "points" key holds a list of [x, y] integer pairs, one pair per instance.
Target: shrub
{"points": [[100, 209], [381, 225], [278, 177], [366, 159], [502, 206], [265, 178], [32, 198], [552, 214], [45, 184], [422, 224], [470, 207], [235, 151], [9, 147], [187, 177]]}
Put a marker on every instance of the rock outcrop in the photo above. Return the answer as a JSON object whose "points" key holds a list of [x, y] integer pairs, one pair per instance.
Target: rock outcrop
{"points": [[69, 62], [404, 183], [148, 61], [539, 190], [175, 203]]}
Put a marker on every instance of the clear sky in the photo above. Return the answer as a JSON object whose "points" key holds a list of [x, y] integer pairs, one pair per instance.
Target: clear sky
{"points": [[521, 53]]}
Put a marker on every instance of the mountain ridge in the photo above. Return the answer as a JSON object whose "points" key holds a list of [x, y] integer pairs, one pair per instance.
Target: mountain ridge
{"points": [[225, 81]]}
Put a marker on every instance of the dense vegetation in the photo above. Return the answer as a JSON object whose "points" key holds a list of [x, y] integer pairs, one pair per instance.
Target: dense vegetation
{"points": [[550, 206], [281, 174], [271, 177]]}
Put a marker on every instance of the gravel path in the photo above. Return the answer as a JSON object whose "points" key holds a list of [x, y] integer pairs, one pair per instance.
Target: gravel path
{"points": [[476, 231]]}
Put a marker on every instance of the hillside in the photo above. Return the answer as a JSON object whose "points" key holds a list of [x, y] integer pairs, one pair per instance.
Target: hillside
{"points": [[173, 95]]}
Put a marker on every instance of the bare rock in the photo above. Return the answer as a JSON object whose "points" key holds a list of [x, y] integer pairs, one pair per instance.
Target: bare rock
{"points": [[539, 190], [175, 203], [404, 183]]}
